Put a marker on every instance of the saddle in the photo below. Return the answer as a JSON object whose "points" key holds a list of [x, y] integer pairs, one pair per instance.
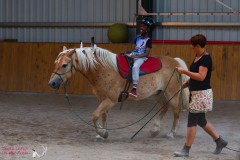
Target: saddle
{"points": [[125, 63]]}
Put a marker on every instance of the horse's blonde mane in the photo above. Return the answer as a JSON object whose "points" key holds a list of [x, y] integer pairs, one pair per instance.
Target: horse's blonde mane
{"points": [[89, 58]]}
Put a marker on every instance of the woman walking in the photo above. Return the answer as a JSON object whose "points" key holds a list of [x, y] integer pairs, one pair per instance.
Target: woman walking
{"points": [[201, 96]]}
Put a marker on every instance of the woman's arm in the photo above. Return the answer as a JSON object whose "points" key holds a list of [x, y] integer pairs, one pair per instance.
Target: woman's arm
{"points": [[200, 76]]}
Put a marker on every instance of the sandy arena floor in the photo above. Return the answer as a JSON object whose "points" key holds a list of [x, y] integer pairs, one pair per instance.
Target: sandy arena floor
{"points": [[44, 121]]}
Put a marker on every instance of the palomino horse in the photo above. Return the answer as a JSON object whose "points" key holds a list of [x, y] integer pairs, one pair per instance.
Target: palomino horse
{"points": [[99, 66]]}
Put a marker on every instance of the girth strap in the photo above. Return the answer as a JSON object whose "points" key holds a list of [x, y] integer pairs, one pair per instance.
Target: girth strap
{"points": [[124, 94]]}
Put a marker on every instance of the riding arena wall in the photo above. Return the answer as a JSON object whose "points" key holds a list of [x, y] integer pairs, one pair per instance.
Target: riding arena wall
{"points": [[27, 67]]}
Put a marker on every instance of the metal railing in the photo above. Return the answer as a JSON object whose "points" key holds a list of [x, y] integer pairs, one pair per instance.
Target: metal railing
{"points": [[108, 24]]}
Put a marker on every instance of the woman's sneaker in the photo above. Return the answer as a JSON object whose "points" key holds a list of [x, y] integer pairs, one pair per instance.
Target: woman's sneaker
{"points": [[184, 152]]}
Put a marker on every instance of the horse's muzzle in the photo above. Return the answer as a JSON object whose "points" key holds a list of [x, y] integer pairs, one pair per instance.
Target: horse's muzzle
{"points": [[55, 83]]}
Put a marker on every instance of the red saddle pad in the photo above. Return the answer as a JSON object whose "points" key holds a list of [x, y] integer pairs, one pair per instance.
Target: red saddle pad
{"points": [[152, 64]]}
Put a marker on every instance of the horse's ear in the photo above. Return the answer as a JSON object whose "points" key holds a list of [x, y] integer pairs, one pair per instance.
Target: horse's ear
{"points": [[69, 54], [92, 42], [64, 48], [81, 45]]}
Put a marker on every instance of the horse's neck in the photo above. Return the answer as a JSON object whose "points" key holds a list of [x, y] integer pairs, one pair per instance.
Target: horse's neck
{"points": [[95, 77], [103, 71]]}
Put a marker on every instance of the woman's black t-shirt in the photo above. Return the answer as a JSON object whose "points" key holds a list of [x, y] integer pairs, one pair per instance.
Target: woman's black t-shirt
{"points": [[205, 61]]}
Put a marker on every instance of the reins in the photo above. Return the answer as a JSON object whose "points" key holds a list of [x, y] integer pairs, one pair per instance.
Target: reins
{"points": [[234, 150]]}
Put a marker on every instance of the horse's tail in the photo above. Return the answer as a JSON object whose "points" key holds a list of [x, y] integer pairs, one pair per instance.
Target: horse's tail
{"points": [[185, 93], [183, 65]]}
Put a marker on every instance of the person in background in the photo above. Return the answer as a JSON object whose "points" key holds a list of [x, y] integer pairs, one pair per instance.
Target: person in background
{"points": [[140, 53], [201, 96]]}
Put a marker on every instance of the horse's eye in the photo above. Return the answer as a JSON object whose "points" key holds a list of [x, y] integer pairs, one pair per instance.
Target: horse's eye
{"points": [[64, 65]]}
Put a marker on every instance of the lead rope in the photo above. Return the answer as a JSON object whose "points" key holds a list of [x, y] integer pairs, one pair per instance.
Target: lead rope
{"points": [[163, 107], [157, 103], [232, 149], [179, 79], [74, 112], [155, 114]]}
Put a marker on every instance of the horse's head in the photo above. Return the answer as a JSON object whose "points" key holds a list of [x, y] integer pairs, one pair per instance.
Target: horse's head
{"points": [[64, 68]]}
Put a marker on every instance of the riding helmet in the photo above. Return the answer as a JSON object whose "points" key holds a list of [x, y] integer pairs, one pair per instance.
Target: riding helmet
{"points": [[148, 21]]}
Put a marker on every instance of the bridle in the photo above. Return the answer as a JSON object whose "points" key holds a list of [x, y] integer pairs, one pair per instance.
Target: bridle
{"points": [[70, 70]]}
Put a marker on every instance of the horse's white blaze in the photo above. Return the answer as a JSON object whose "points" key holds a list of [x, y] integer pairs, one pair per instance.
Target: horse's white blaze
{"points": [[59, 59]]}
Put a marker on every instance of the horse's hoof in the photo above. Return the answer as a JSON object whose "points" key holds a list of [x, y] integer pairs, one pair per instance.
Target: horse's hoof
{"points": [[154, 133], [103, 133], [171, 135], [99, 138]]}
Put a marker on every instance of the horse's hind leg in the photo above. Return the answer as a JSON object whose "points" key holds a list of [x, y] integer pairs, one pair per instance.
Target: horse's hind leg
{"points": [[102, 110], [155, 130], [156, 127], [176, 113], [175, 124]]}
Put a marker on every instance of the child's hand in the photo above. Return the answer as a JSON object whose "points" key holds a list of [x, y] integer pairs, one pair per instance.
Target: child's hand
{"points": [[133, 56]]}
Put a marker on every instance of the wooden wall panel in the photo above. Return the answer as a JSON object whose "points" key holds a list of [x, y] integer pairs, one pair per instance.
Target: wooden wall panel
{"points": [[26, 67]]}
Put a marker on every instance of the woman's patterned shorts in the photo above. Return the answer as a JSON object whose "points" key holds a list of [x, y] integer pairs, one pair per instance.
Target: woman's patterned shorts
{"points": [[201, 101]]}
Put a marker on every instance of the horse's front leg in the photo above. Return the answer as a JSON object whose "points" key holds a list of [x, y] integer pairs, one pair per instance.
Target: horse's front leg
{"points": [[104, 120], [102, 110]]}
